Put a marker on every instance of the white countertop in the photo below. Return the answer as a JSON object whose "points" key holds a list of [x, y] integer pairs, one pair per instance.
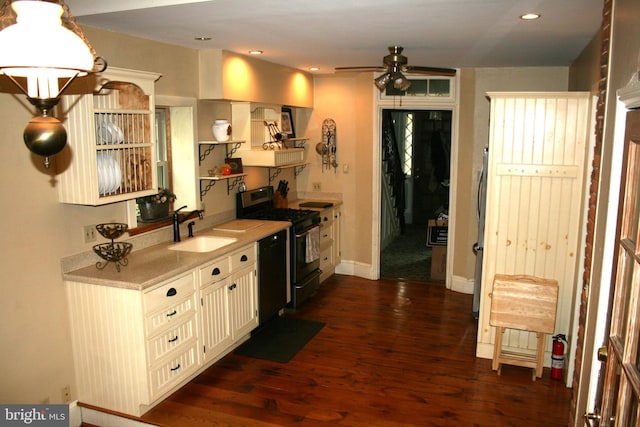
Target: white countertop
{"points": [[150, 266]]}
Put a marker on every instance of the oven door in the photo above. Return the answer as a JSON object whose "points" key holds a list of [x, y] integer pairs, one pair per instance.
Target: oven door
{"points": [[306, 253]]}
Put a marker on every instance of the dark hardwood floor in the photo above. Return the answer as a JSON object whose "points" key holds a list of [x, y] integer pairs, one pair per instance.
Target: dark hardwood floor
{"points": [[392, 353]]}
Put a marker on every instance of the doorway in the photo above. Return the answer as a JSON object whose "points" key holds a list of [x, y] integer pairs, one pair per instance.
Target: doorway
{"points": [[422, 141]]}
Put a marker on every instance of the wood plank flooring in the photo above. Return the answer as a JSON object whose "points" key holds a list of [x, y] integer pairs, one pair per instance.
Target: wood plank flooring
{"points": [[392, 353]]}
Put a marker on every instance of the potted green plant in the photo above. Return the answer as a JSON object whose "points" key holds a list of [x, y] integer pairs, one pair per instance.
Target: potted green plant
{"points": [[155, 206]]}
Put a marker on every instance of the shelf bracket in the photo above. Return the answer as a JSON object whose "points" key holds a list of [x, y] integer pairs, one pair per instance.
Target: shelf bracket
{"points": [[208, 186], [233, 150], [232, 185], [207, 151], [298, 169], [276, 173]]}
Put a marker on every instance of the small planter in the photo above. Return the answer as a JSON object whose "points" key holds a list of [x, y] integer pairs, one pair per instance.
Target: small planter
{"points": [[153, 211]]}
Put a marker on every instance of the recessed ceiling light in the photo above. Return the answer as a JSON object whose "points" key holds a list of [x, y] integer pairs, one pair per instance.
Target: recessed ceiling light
{"points": [[202, 38], [529, 16], [255, 52], [314, 68]]}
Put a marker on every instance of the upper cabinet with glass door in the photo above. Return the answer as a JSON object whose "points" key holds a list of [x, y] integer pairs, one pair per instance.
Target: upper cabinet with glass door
{"points": [[111, 153]]}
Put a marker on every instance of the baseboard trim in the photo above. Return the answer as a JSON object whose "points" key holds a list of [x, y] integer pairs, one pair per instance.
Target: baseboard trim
{"points": [[462, 285], [358, 269], [94, 416]]}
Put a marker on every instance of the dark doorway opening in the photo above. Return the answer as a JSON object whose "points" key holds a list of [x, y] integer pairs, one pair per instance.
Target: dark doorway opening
{"points": [[423, 140]]}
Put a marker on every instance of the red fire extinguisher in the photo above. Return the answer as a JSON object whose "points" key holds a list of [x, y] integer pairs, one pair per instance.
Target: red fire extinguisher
{"points": [[557, 356]]}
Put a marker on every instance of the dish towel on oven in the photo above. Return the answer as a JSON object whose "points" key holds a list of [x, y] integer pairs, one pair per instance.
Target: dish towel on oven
{"points": [[313, 245]]}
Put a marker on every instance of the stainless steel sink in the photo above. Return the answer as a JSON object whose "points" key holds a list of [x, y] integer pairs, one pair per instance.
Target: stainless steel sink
{"points": [[203, 244]]}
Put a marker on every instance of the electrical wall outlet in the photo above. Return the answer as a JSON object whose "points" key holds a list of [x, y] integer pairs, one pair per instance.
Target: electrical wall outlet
{"points": [[89, 233], [66, 394], [316, 186]]}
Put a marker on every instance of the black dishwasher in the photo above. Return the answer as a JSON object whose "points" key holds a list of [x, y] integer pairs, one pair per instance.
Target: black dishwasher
{"points": [[272, 275]]}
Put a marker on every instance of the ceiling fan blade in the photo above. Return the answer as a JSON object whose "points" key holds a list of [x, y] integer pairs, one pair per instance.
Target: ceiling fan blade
{"points": [[363, 68], [430, 71]]}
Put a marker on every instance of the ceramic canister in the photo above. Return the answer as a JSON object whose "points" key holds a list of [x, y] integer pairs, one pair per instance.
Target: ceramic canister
{"points": [[221, 130]]}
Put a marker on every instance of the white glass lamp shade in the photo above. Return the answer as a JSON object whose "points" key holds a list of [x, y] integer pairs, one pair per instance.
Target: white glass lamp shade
{"points": [[400, 82], [39, 48]]}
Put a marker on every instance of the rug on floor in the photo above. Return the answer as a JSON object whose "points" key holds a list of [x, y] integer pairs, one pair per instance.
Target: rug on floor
{"points": [[280, 339], [407, 257]]}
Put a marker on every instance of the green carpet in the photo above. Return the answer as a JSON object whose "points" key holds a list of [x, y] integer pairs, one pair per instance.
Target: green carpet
{"points": [[407, 257], [280, 339]]}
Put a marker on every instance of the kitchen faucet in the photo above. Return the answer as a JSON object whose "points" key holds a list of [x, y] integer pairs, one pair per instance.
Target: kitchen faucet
{"points": [[177, 221]]}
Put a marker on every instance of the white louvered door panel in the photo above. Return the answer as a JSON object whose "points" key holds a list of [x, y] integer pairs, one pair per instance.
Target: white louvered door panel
{"points": [[535, 198], [243, 297], [216, 328]]}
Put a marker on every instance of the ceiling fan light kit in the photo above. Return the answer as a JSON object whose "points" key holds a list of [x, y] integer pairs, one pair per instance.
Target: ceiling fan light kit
{"points": [[395, 65]]}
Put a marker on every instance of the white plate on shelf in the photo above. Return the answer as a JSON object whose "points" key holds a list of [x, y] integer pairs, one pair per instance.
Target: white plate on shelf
{"points": [[116, 175], [102, 178], [109, 173], [109, 133]]}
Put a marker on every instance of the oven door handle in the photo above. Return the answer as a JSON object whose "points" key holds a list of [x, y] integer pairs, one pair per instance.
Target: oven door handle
{"points": [[306, 232]]}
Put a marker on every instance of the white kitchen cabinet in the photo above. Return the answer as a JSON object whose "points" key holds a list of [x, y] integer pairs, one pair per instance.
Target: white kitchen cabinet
{"points": [[228, 299], [216, 325], [111, 153], [329, 241], [130, 348], [537, 189], [243, 295], [243, 302], [337, 243]]}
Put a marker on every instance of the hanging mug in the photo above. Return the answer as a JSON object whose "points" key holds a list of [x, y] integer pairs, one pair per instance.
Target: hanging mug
{"points": [[221, 130]]}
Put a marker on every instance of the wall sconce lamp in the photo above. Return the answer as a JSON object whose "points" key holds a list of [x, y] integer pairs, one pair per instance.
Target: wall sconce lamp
{"points": [[43, 51]]}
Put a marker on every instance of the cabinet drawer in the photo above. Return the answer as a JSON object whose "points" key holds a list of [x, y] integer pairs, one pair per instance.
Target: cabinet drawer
{"points": [[326, 233], [166, 295], [170, 316], [171, 372], [326, 258], [243, 258], [172, 339], [217, 270]]}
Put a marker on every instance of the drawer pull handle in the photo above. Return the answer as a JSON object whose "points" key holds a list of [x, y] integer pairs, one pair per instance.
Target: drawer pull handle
{"points": [[174, 339], [232, 287], [176, 368], [243, 258], [171, 292], [173, 313], [215, 271]]}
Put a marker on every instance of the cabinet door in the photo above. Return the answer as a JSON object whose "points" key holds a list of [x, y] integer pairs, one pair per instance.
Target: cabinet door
{"points": [[243, 297], [337, 250], [216, 328]]}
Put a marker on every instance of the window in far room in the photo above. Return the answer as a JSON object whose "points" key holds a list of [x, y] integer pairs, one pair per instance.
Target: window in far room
{"points": [[163, 147]]}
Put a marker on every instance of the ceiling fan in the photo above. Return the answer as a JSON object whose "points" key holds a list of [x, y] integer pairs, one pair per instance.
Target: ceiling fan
{"points": [[395, 64]]}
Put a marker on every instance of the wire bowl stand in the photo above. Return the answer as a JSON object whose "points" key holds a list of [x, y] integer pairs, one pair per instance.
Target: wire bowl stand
{"points": [[115, 252]]}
